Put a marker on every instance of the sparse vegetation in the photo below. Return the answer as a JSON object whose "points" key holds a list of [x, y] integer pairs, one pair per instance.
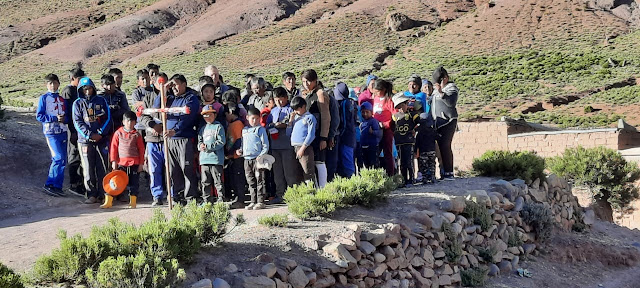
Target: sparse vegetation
{"points": [[487, 253], [367, 188], [479, 213], [540, 218], [510, 165], [604, 171], [474, 277], [275, 220], [8, 278], [514, 239]]}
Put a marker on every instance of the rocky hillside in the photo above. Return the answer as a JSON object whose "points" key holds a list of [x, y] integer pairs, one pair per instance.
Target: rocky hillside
{"points": [[543, 60]]}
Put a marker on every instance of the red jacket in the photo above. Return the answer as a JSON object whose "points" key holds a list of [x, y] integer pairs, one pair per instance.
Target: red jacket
{"points": [[127, 148], [383, 111], [264, 116]]}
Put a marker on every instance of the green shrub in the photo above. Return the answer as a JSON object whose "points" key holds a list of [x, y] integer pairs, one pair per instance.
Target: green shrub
{"points": [[510, 165], [474, 277], [141, 270], [608, 176], [540, 218], [157, 246], [366, 189], [453, 251], [8, 278], [479, 213], [487, 253], [514, 239], [275, 220], [588, 109]]}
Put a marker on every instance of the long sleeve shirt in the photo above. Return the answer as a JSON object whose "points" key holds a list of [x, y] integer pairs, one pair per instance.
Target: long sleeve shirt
{"points": [[49, 107], [183, 124], [91, 115], [127, 148], [367, 137], [213, 137], [383, 110], [303, 130], [255, 142]]}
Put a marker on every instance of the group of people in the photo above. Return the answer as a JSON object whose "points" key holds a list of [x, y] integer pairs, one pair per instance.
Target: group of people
{"points": [[229, 140]]}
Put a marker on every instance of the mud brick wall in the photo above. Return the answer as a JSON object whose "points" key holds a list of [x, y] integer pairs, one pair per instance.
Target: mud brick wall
{"points": [[550, 144], [475, 138]]}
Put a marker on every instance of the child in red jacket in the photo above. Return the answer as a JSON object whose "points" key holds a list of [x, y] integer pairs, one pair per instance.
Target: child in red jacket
{"points": [[127, 154]]}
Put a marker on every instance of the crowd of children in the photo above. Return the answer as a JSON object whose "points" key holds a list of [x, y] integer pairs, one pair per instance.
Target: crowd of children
{"points": [[261, 139]]}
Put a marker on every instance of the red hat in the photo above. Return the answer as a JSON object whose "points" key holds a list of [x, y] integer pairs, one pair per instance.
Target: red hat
{"points": [[115, 182]]}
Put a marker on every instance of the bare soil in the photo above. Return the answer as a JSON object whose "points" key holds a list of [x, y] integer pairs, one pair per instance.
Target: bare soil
{"points": [[29, 221]]}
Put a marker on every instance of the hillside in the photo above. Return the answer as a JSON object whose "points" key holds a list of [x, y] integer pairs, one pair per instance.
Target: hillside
{"points": [[542, 60]]}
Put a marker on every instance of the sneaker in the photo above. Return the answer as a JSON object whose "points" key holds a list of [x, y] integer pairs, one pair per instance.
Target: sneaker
{"points": [[250, 206], [58, 191], [259, 206], [156, 202], [448, 177], [47, 189], [277, 200], [237, 205], [91, 200], [77, 190]]}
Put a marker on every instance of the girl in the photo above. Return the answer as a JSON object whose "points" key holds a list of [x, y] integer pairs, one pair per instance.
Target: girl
{"points": [[382, 111]]}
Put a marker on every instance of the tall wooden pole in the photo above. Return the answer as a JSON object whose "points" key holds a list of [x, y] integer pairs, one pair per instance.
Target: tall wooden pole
{"points": [[163, 104]]}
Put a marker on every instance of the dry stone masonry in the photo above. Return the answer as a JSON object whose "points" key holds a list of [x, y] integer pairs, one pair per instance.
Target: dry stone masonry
{"points": [[430, 248]]}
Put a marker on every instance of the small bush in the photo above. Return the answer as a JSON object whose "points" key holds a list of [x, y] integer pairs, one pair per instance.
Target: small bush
{"points": [[487, 253], [608, 176], [588, 109], [479, 213], [510, 165], [474, 277], [8, 278], [540, 218], [453, 251], [155, 247], [366, 189], [276, 220], [514, 239]]}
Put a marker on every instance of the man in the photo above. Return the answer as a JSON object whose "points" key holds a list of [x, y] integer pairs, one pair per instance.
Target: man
{"points": [[289, 85], [212, 71], [181, 131], [70, 94], [154, 70], [117, 76], [259, 97]]}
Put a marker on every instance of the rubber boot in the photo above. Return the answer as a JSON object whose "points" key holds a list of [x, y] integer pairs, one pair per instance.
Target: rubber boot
{"points": [[132, 201], [108, 202]]}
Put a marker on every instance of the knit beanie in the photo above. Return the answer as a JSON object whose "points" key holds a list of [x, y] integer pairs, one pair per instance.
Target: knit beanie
{"points": [[366, 106], [370, 78]]}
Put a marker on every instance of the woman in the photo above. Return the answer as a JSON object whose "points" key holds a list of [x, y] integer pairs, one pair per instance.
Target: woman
{"points": [[382, 111], [367, 94], [443, 110], [318, 105]]}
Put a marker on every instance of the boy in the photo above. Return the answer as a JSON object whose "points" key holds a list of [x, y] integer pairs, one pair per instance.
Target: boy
{"points": [[289, 84], [370, 136], [235, 166], [117, 100], [255, 143], [51, 113], [414, 93], [154, 148], [302, 128], [208, 92], [404, 135], [117, 76], [346, 131], [211, 141], [284, 169], [154, 71], [92, 119], [426, 139], [70, 94], [127, 154], [143, 91]]}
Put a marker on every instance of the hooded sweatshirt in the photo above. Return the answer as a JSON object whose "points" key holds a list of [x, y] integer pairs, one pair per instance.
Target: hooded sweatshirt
{"points": [[91, 115], [444, 106], [183, 124]]}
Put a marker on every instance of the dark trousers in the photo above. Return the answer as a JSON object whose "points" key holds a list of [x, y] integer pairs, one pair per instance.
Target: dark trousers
{"points": [[427, 166], [370, 156], [74, 163], [95, 161], [286, 169], [445, 137], [236, 180], [134, 179], [387, 148], [211, 177], [183, 173], [333, 155], [255, 179], [406, 162]]}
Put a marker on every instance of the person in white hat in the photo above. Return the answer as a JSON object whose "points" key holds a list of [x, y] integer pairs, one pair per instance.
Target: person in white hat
{"points": [[405, 123]]}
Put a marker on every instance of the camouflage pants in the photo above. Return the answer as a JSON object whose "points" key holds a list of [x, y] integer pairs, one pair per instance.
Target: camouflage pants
{"points": [[427, 166]]}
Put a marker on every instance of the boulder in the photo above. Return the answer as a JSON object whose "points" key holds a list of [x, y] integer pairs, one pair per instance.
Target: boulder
{"points": [[375, 237], [366, 247], [269, 270], [204, 283], [505, 266], [328, 281], [519, 204], [589, 217], [399, 22], [449, 217], [538, 196], [231, 268], [437, 222], [493, 270], [338, 252], [454, 205], [220, 283], [421, 217], [297, 278], [258, 282]]}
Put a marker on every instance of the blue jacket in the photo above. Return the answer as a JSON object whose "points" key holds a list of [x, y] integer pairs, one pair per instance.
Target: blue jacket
{"points": [[91, 115], [280, 114], [255, 142], [303, 130], [420, 97], [213, 137], [347, 126], [49, 107], [368, 139], [183, 124], [118, 105]]}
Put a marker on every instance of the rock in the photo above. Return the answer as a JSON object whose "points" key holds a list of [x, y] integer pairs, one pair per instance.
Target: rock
{"points": [[280, 284], [519, 204], [328, 281], [505, 188], [535, 184], [589, 217], [375, 237], [264, 258], [231, 268], [515, 262], [449, 217], [399, 22], [357, 254], [417, 262], [478, 196], [366, 247], [297, 278], [493, 270], [421, 217], [497, 257], [508, 205], [538, 196], [456, 228], [377, 272], [495, 201], [437, 222], [446, 270], [505, 266], [313, 277], [444, 280], [313, 244], [269, 270], [513, 250], [456, 278], [204, 283], [554, 181], [439, 254], [517, 182], [454, 205], [388, 252], [339, 252], [258, 282], [286, 263], [220, 283], [528, 248], [379, 258]]}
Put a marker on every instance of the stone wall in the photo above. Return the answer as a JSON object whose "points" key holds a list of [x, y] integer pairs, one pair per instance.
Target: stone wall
{"points": [[429, 248]]}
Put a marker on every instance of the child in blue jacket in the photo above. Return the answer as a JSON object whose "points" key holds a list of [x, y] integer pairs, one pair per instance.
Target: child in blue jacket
{"points": [[211, 141], [51, 113], [92, 119], [370, 136], [255, 143]]}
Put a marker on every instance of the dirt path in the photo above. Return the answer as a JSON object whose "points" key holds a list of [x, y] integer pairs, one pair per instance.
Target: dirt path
{"points": [[29, 221]]}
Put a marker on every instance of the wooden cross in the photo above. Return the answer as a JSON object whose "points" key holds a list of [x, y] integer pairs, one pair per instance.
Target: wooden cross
{"points": [[163, 110]]}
